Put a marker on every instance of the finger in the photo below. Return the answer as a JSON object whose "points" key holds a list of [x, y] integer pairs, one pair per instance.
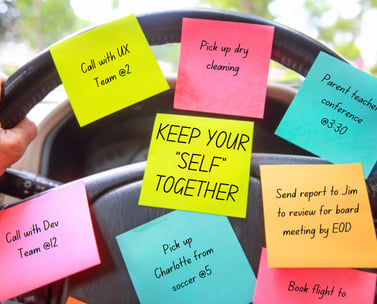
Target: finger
{"points": [[3, 78], [25, 129], [14, 142]]}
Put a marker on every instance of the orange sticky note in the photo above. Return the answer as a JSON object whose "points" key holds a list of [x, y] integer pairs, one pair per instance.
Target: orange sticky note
{"points": [[223, 67], [71, 300], [198, 164], [318, 216], [313, 285], [107, 69], [45, 239]]}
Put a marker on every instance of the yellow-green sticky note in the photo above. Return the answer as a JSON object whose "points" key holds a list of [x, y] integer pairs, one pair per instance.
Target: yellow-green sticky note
{"points": [[107, 69], [198, 164]]}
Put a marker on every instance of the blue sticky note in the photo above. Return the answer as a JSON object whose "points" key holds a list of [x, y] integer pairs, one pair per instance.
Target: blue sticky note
{"points": [[184, 256], [334, 114]]}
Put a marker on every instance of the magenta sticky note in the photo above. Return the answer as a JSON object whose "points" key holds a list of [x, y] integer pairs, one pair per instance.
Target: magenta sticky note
{"points": [[223, 67], [313, 285], [45, 239]]}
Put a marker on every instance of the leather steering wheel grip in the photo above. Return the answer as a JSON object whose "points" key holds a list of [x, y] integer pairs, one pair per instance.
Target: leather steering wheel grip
{"points": [[32, 82]]}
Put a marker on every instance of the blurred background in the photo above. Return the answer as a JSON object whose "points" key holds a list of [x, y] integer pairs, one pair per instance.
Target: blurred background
{"points": [[29, 26]]}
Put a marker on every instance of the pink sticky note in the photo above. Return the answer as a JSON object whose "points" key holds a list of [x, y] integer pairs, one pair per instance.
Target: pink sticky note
{"points": [[45, 239], [313, 285], [223, 67]]}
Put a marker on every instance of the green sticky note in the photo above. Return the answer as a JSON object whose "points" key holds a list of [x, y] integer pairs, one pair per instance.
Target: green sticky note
{"points": [[107, 69], [334, 114], [187, 257], [198, 164]]}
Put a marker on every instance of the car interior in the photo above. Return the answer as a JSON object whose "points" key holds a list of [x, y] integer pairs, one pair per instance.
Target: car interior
{"points": [[110, 155]]}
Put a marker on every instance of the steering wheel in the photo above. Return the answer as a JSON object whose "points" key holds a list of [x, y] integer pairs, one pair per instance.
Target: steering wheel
{"points": [[113, 194]]}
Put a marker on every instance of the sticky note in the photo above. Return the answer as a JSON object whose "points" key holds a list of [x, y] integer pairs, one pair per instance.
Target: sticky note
{"points": [[72, 300], [198, 164], [107, 69], [45, 239], [185, 256], [317, 216], [313, 285], [334, 114], [223, 67]]}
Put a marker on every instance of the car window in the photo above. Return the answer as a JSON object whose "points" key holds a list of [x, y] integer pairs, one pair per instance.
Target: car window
{"points": [[27, 27]]}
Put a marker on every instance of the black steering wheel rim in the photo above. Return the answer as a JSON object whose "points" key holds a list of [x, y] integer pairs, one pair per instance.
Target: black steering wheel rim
{"points": [[32, 82]]}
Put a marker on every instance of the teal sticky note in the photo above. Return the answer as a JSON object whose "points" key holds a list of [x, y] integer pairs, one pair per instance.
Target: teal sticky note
{"points": [[334, 114], [187, 257]]}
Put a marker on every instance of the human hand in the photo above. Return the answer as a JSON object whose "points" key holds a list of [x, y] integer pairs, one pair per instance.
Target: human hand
{"points": [[13, 142]]}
